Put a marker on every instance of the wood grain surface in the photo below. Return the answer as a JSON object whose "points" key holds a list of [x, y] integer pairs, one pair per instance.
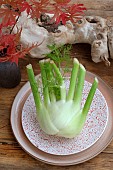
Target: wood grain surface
{"points": [[12, 156]]}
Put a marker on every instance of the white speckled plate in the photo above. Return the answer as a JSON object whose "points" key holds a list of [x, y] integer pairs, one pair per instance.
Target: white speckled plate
{"points": [[94, 127], [94, 138]]}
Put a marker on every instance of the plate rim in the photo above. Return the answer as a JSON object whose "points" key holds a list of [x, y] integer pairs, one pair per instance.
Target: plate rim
{"points": [[61, 160]]}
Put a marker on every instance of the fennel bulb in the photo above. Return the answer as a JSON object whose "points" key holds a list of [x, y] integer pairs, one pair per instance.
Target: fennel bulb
{"points": [[60, 112]]}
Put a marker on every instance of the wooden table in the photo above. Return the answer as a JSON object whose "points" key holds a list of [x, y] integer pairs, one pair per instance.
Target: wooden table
{"points": [[12, 156]]}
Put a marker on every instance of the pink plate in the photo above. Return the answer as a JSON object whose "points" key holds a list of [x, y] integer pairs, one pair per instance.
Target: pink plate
{"points": [[94, 138], [94, 127]]}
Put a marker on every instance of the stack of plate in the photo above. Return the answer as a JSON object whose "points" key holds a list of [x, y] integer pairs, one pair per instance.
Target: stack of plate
{"points": [[95, 136]]}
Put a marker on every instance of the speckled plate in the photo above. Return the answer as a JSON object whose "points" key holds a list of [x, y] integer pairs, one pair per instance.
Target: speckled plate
{"points": [[95, 136], [94, 127]]}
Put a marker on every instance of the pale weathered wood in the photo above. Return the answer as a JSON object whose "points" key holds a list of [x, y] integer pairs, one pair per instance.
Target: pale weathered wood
{"points": [[11, 154]]}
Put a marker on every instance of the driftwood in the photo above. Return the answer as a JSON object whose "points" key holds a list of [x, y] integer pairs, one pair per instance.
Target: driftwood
{"points": [[90, 29]]}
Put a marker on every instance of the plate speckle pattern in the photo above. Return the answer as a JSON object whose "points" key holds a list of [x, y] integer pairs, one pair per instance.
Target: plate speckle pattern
{"points": [[93, 129]]}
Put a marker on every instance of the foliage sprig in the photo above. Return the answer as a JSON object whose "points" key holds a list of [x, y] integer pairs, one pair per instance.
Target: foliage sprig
{"points": [[10, 11]]}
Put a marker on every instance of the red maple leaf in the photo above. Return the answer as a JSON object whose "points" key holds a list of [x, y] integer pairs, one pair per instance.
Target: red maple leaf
{"points": [[63, 17], [75, 12], [39, 7], [64, 11], [25, 6], [11, 10], [8, 16], [57, 7], [11, 49]]}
